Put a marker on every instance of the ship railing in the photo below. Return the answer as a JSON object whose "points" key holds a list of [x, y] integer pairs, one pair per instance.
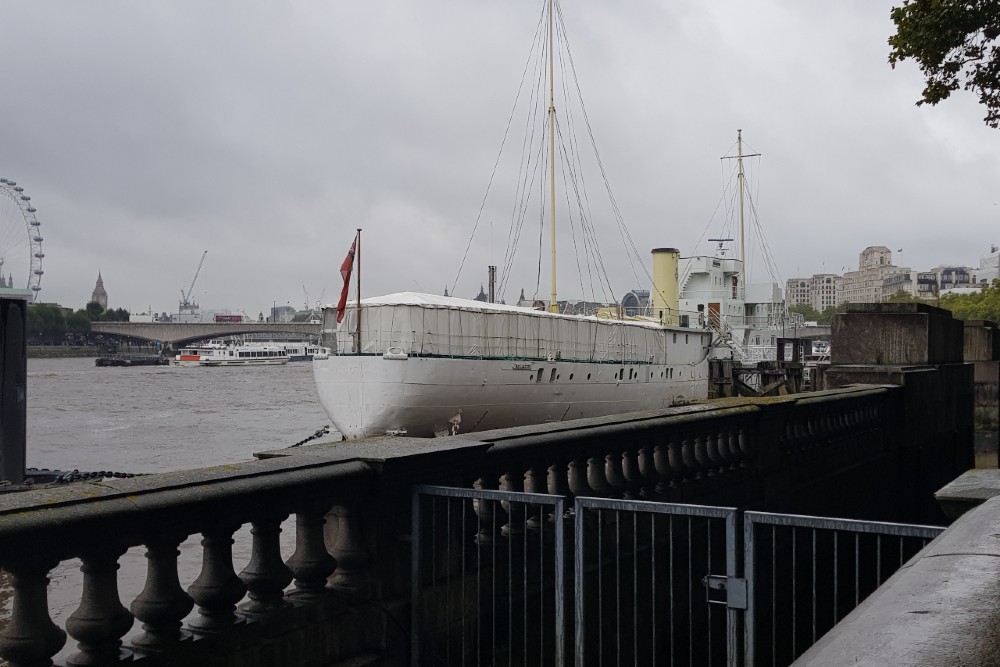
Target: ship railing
{"points": [[342, 591]]}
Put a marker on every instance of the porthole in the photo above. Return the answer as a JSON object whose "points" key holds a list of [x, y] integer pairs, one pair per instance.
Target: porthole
{"points": [[588, 376], [531, 377], [570, 376], [557, 377]]}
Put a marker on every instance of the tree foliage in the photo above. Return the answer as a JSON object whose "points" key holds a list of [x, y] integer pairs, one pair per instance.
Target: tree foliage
{"points": [[94, 311], [984, 305], [46, 323], [953, 43], [903, 297]]}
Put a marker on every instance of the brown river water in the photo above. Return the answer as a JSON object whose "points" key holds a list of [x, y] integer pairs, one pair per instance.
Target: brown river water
{"points": [[155, 419]]}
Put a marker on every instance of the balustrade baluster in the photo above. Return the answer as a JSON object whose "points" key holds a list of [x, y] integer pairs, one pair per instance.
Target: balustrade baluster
{"points": [[513, 480], [712, 453], [632, 473], [559, 478], [30, 638], [597, 476], [615, 473], [662, 466], [647, 468], [217, 588], [351, 575], [577, 477], [692, 468], [700, 451], [486, 511], [310, 563], [535, 482], [266, 575], [745, 446], [162, 604], [100, 621], [726, 455]]}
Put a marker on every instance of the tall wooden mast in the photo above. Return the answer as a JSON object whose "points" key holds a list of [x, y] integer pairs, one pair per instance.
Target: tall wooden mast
{"points": [[553, 304], [741, 183]]}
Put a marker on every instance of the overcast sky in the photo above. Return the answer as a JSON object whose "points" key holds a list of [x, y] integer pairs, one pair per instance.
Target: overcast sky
{"points": [[267, 132]]}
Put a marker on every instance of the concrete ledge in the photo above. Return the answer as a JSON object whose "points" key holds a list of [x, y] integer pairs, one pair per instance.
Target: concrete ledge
{"points": [[940, 609], [971, 489]]}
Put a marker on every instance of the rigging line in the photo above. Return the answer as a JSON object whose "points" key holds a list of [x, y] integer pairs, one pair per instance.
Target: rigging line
{"points": [[531, 121], [523, 214], [499, 153], [623, 231], [572, 160], [592, 245]]}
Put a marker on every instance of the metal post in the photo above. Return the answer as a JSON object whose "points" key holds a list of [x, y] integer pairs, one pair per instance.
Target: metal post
{"points": [[13, 387]]}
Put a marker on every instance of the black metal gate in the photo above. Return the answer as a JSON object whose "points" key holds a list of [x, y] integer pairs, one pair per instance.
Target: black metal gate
{"points": [[651, 583]]}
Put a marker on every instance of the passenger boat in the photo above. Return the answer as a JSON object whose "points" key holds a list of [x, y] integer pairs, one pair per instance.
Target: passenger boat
{"points": [[221, 354], [297, 350], [427, 365]]}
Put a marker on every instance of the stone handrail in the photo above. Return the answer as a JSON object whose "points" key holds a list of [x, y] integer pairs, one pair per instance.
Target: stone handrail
{"points": [[352, 503]]}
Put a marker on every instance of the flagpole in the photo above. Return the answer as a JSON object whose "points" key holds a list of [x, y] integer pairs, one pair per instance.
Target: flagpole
{"points": [[358, 259]]}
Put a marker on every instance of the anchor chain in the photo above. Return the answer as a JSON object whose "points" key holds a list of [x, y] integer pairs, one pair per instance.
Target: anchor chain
{"points": [[318, 434]]}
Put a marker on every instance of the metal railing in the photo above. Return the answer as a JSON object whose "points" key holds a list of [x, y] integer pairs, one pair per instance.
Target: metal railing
{"points": [[487, 578]]}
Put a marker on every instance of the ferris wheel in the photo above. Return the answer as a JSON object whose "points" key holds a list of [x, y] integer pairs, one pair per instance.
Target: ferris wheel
{"points": [[20, 240]]}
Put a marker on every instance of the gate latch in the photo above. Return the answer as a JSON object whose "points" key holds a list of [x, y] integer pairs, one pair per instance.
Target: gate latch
{"points": [[733, 590]]}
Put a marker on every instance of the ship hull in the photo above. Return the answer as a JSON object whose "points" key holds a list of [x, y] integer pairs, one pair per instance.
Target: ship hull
{"points": [[368, 395]]}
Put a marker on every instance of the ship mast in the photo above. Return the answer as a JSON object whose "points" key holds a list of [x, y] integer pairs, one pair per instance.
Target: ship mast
{"points": [[741, 183], [553, 304]]}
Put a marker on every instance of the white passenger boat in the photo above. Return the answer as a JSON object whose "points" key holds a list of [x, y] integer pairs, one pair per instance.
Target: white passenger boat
{"points": [[298, 350], [219, 354]]}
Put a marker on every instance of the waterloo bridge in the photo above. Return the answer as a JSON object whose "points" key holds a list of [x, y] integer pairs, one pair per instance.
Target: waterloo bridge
{"points": [[180, 333]]}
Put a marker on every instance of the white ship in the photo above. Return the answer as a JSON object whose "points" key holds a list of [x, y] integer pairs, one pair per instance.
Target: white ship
{"points": [[426, 365], [431, 365]]}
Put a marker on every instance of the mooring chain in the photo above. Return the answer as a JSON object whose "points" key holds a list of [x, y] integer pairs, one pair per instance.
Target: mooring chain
{"points": [[318, 434], [76, 475]]}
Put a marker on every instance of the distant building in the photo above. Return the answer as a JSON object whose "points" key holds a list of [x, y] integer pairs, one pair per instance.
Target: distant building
{"points": [[482, 295], [100, 296], [819, 291], [868, 283], [989, 266], [636, 303]]}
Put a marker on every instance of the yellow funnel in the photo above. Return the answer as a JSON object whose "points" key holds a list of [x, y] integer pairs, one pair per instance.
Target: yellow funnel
{"points": [[666, 291]]}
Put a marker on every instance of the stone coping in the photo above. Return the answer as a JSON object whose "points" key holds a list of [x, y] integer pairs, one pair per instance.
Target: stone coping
{"points": [[968, 490]]}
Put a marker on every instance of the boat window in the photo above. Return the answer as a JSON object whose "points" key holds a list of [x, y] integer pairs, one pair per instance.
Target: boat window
{"points": [[552, 375], [539, 378], [570, 376], [621, 373], [675, 338], [531, 377], [588, 376], [685, 339]]}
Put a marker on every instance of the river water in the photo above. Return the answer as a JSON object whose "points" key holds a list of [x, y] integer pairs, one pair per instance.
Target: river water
{"points": [[152, 419]]}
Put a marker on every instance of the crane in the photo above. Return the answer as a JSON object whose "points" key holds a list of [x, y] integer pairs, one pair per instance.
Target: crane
{"points": [[186, 297]]}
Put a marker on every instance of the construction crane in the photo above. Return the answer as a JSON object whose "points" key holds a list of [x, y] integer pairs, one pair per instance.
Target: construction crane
{"points": [[186, 297]]}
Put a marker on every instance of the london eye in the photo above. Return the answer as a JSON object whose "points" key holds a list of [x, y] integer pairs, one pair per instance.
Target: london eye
{"points": [[20, 240]]}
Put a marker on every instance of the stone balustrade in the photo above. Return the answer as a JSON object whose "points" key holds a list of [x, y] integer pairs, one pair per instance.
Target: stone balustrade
{"points": [[351, 503]]}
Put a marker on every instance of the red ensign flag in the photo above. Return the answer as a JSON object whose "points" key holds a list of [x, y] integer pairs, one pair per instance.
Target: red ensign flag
{"points": [[345, 272]]}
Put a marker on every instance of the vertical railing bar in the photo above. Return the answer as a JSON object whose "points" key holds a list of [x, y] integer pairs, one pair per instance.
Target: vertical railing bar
{"points": [[600, 586], [878, 560], [493, 569], [558, 585], [690, 596], [708, 607], [415, 580], [750, 574], [635, 588], [813, 585], [670, 564], [652, 563], [541, 585], [774, 596], [447, 579], [578, 601], [524, 556], [464, 577], [618, 588], [901, 538], [510, 583], [795, 578], [857, 570], [836, 574]]}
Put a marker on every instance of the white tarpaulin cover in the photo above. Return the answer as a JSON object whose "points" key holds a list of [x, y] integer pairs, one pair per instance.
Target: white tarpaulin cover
{"points": [[429, 325]]}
